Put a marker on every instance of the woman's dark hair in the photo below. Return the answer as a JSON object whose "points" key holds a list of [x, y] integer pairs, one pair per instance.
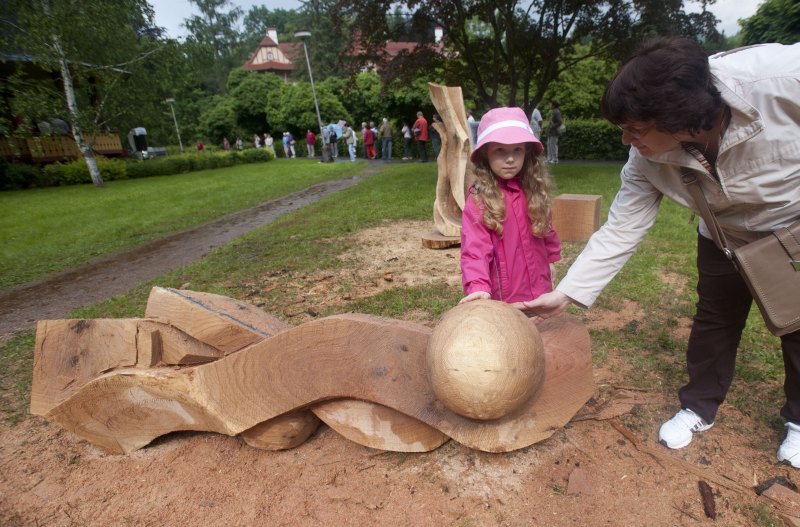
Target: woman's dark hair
{"points": [[554, 103], [667, 81]]}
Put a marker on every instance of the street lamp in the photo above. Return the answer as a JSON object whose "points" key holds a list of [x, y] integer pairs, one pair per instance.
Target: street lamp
{"points": [[171, 102], [302, 35]]}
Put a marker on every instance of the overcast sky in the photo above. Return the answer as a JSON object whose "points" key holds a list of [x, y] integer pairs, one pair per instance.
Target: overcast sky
{"points": [[171, 13]]}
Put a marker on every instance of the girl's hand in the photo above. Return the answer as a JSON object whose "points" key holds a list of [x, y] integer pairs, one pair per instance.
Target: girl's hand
{"points": [[477, 295]]}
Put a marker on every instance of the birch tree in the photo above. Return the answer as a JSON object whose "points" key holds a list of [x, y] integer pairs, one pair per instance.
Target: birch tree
{"points": [[86, 46]]}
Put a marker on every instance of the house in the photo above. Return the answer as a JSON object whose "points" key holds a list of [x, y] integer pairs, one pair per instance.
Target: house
{"points": [[282, 59], [270, 56]]}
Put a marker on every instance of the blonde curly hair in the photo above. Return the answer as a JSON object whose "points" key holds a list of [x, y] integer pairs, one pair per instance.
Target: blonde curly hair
{"points": [[535, 182]]}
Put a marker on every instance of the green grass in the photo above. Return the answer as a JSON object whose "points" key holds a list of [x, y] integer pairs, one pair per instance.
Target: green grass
{"points": [[48, 230], [659, 278]]}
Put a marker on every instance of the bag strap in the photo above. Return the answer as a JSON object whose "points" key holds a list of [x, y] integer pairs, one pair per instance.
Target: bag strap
{"points": [[791, 243], [692, 185]]}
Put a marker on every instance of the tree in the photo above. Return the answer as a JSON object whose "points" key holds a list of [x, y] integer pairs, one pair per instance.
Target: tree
{"points": [[89, 47], [213, 42], [259, 18], [510, 51], [330, 38], [579, 89], [774, 21], [249, 92], [292, 108]]}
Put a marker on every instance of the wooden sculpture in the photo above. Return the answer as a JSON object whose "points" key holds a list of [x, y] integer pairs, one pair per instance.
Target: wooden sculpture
{"points": [[205, 362], [454, 168], [485, 359]]}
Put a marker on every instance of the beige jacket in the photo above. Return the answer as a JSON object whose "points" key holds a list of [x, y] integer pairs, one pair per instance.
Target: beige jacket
{"points": [[758, 166]]}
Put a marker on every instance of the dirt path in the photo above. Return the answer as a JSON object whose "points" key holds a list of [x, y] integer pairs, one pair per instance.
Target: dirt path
{"points": [[99, 280]]}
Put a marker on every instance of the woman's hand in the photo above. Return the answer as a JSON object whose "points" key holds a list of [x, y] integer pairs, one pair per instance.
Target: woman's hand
{"points": [[546, 306], [477, 295]]}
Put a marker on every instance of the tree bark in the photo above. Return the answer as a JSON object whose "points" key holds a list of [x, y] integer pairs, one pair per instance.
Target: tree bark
{"points": [[77, 133]]}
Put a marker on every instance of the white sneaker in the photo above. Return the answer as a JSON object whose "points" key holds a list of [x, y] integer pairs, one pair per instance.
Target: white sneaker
{"points": [[677, 432], [789, 452]]}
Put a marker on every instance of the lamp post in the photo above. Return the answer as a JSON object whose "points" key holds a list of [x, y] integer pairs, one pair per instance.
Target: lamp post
{"points": [[171, 102], [303, 35]]}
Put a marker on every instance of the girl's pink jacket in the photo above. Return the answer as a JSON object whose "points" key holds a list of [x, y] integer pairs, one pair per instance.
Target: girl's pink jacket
{"points": [[514, 267]]}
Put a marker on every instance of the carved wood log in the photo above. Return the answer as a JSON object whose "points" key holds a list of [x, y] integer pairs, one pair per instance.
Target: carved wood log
{"points": [[351, 356], [454, 167], [378, 426], [70, 353], [286, 431]]}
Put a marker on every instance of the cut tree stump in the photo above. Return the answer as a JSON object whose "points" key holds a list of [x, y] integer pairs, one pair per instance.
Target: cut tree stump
{"points": [[364, 375]]}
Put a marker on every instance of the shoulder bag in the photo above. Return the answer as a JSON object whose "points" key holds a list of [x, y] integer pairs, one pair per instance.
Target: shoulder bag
{"points": [[769, 266]]}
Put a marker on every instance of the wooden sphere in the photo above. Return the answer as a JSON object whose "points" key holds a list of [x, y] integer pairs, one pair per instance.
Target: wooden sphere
{"points": [[485, 359]]}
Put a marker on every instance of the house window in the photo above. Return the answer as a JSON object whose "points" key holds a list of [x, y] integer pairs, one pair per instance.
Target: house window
{"points": [[269, 55]]}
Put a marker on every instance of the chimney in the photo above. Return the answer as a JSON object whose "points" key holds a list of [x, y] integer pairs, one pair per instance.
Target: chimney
{"points": [[438, 33], [273, 34]]}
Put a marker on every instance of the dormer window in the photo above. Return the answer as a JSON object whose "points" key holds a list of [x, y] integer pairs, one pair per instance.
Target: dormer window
{"points": [[269, 55]]}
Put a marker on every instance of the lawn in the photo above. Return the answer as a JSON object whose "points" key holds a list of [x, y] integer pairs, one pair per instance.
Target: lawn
{"points": [[49, 230], [659, 278]]}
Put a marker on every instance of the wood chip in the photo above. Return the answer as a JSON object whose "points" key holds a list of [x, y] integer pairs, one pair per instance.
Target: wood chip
{"points": [[709, 505]]}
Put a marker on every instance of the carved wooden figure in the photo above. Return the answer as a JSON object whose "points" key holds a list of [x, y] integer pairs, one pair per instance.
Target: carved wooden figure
{"points": [[454, 171], [122, 383]]}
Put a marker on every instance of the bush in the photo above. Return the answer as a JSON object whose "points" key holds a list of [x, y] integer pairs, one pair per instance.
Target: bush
{"points": [[178, 164], [77, 172], [16, 176], [257, 155], [591, 140]]}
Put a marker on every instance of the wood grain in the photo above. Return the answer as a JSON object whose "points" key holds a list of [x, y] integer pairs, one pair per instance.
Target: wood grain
{"points": [[347, 356]]}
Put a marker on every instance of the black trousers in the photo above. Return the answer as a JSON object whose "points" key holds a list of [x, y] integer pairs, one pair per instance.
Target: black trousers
{"points": [[722, 309], [422, 148]]}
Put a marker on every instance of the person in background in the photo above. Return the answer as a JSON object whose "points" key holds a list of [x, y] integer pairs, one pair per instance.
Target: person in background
{"points": [[436, 140], [350, 140], [420, 130], [374, 139], [536, 123], [731, 121], [335, 140], [472, 126], [269, 143], [200, 147], [369, 141], [311, 140], [508, 244], [406, 131], [386, 140], [256, 141], [239, 144], [226, 145], [327, 149], [553, 132]]}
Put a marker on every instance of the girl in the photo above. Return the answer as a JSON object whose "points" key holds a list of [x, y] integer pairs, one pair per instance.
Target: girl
{"points": [[508, 245]]}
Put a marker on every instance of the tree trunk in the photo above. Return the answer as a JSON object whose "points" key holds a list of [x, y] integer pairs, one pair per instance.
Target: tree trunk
{"points": [[77, 133]]}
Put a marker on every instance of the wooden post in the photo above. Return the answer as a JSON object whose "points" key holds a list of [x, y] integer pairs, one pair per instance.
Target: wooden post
{"points": [[576, 216]]}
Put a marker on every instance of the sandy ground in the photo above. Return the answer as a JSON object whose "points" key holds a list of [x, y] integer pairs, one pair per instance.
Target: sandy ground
{"points": [[604, 468]]}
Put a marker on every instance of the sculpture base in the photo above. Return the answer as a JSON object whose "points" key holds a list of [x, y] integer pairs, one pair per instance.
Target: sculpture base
{"points": [[434, 240]]}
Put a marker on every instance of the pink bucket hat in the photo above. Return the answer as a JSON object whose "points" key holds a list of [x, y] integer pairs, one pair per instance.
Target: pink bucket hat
{"points": [[507, 126]]}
